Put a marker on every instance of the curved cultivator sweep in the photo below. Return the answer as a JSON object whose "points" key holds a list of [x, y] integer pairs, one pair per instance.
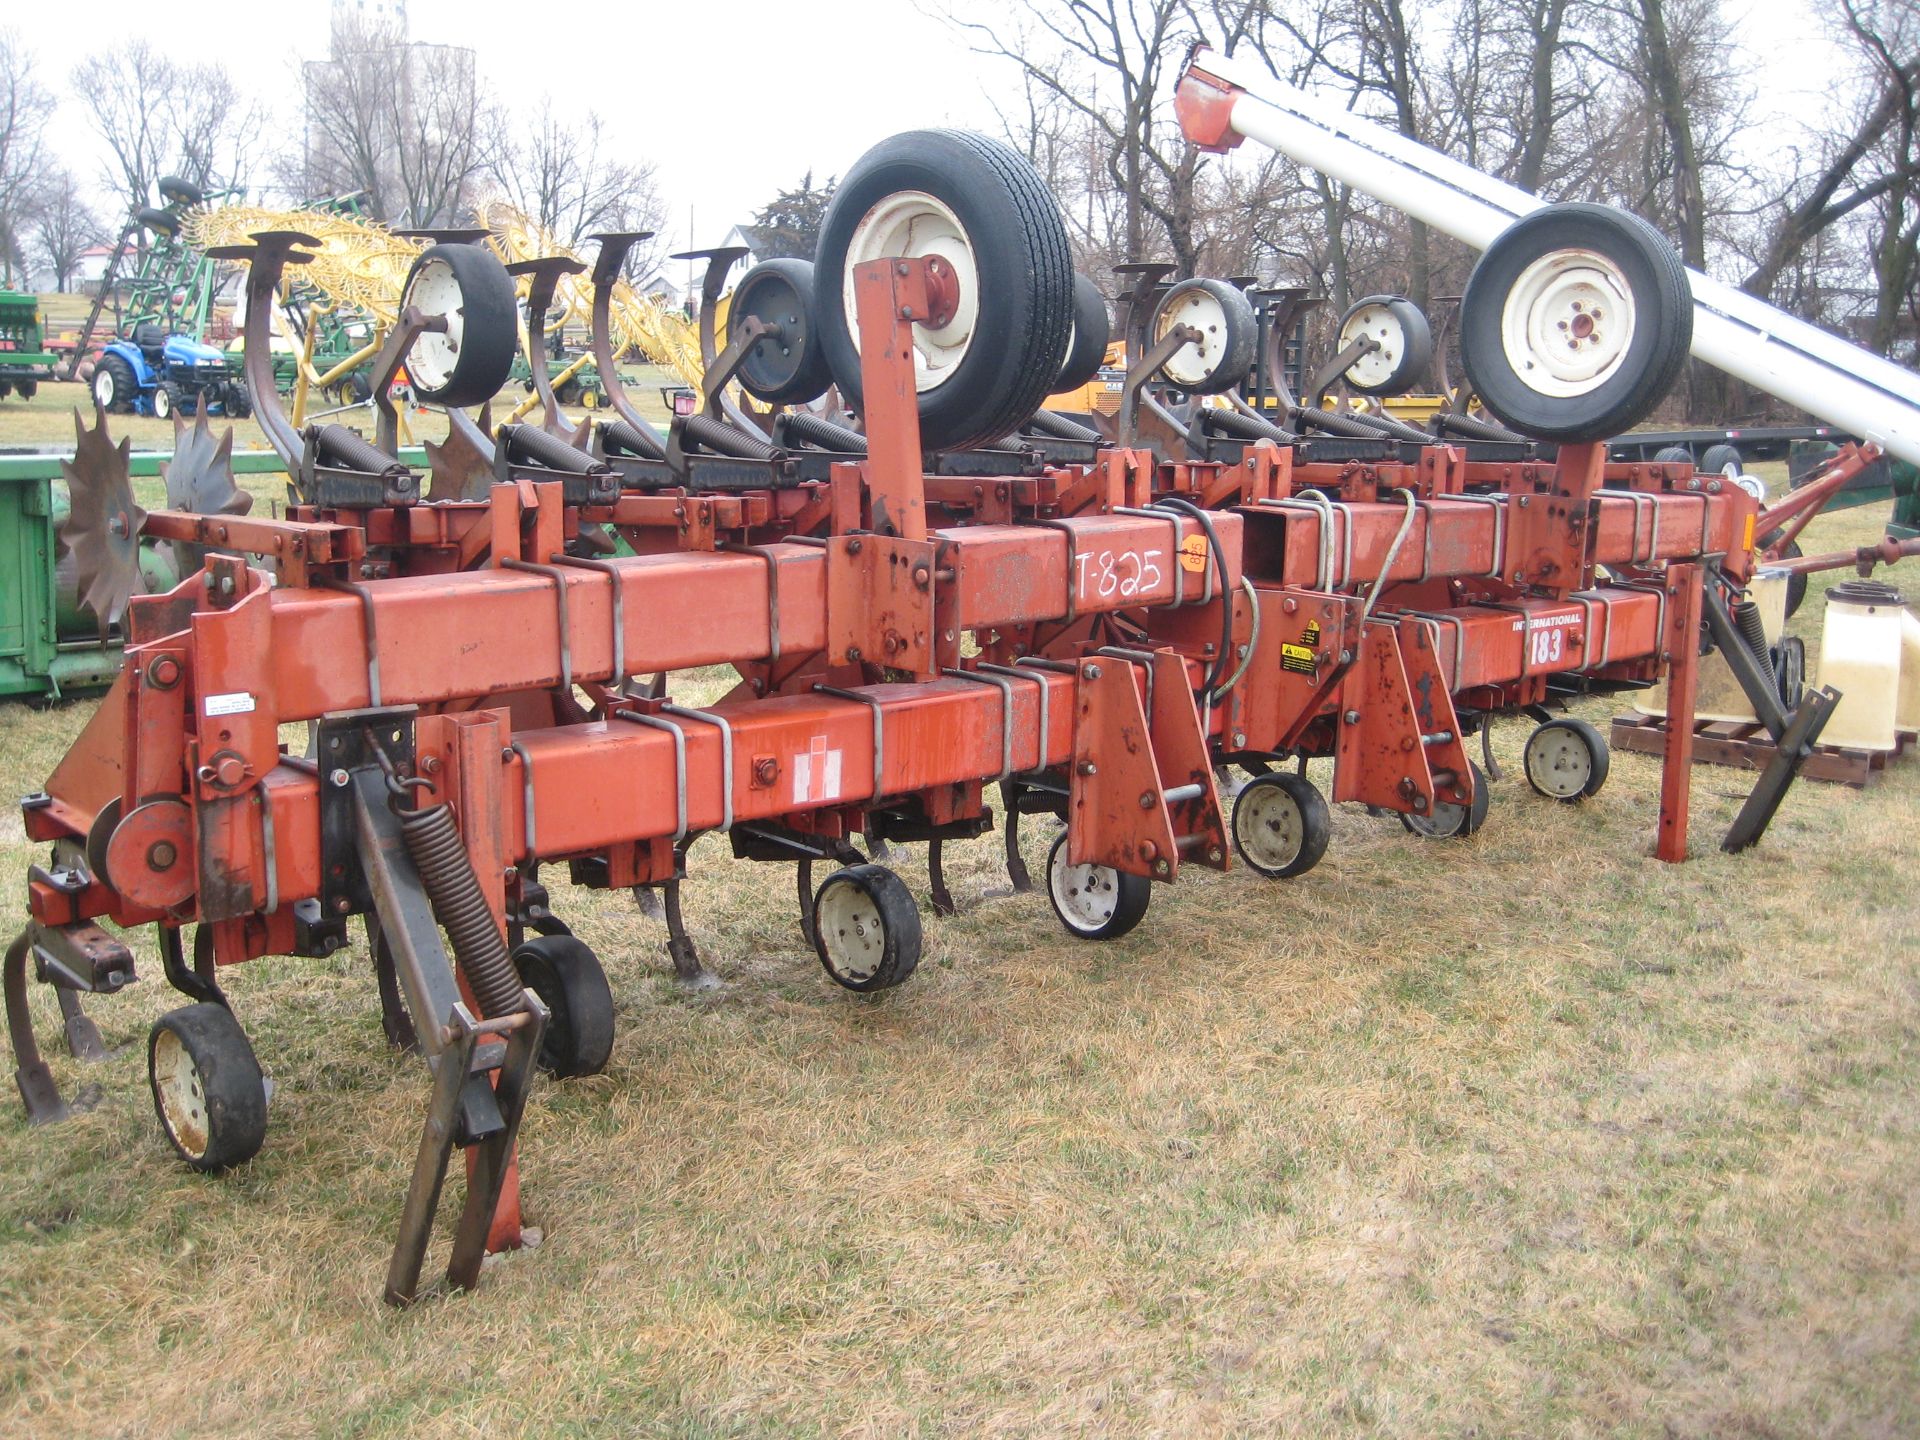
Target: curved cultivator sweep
{"points": [[947, 608]]}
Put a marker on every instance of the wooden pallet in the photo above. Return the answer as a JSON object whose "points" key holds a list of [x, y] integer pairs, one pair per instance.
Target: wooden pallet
{"points": [[1750, 747]]}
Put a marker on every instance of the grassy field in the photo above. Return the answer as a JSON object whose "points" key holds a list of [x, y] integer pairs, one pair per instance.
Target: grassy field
{"points": [[1520, 1135]]}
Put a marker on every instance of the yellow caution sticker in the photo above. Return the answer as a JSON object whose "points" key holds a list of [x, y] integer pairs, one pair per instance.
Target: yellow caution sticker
{"points": [[1297, 658], [1193, 554]]}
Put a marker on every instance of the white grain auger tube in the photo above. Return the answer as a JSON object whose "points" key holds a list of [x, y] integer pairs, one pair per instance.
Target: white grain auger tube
{"points": [[1222, 99]]}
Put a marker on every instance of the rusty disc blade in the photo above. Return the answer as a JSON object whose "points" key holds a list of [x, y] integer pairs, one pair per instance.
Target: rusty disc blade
{"points": [[103, 522], [199, 480]]}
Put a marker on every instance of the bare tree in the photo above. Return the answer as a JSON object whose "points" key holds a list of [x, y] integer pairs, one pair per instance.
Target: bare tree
{"points": [[562, 172], [1109, 64], [398, 121], [64, 226], [25, 107], [159, 117]]}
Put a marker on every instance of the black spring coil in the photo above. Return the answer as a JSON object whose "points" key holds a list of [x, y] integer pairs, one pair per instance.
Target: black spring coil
{"points": [[723, 439], [823, 434], [340, 446], [1474, 428], [1746, 615], [1045, 422], [530, 445], [433, 840], [624, 437], [1246, 427]]}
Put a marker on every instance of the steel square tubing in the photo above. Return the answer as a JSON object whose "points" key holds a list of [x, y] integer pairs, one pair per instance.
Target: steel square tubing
{"points": [[1463, 538], [481, 632]]}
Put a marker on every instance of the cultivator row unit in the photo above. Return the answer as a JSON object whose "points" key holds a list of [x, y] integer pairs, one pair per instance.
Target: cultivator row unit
{"points": [[944, 609]]}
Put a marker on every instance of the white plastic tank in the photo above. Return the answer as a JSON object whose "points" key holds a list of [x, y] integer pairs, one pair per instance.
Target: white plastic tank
{"points": [[1860, 646], [1719, 696]]}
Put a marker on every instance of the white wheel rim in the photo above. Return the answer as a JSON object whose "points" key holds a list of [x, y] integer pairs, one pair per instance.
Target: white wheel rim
{"points": [[162, 405], [1558, 761], [1379, 323], [103, 386], [183, 1099], [1268, 824], [913, 225], [1195, 362], [1567, 322], [1085, 895], [851, 930], [435, 293]]}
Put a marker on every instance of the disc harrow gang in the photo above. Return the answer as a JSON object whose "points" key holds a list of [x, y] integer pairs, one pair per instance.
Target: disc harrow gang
{"points": [[1091, 618]]}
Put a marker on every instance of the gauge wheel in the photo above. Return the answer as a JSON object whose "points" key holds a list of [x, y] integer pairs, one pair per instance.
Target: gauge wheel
{"points": [[980, 207], [789, 368], [1281, 825], [1087, 338], [1566, 760], [1404, 339], [572, 984], [866, 928], [207, 1087], [1095, 902], [166, 400], [468, 361], [163, 222], [1450, 821], [1576, 322], [1222, 356], [1673, 455]]}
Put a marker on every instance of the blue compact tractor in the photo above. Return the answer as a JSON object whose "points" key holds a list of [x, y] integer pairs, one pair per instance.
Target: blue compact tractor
{"points": [[153, 373]]}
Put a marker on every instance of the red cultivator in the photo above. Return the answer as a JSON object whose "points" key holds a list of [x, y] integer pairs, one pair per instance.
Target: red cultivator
{"points": [[918, 611]]}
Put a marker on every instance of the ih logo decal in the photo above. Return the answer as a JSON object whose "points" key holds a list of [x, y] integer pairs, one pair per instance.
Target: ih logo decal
{"points": [[816, 773]]}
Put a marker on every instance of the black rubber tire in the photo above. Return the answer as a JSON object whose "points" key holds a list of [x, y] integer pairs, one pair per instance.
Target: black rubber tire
{"points": [[221, 1120], [237, 403], [125, 387], [176, 191], [26, 389], [489, 336], [1673, 455], [790, 370], [1599, 761], [1717, 457], [1225, 355], [1132, 895], [163, 222], [1797, 582], [569, 979], [1454, 822], [1314, 820], [1662, 333], [899, 927], [1087, 339], [1020, 255], [1416, 353]]}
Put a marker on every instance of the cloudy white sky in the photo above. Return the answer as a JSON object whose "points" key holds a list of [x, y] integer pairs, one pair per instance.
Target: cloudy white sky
{"points": [[730, 101]]}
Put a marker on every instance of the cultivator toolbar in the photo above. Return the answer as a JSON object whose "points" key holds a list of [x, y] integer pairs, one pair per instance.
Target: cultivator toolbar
{"points": [[952, 599]]}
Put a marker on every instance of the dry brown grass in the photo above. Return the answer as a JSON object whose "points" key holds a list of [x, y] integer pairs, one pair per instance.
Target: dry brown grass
{"points": [[1523, 1135]]}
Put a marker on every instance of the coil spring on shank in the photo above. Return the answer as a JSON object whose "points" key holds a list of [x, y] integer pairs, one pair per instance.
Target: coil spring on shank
{"points": [[433, 840]]}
